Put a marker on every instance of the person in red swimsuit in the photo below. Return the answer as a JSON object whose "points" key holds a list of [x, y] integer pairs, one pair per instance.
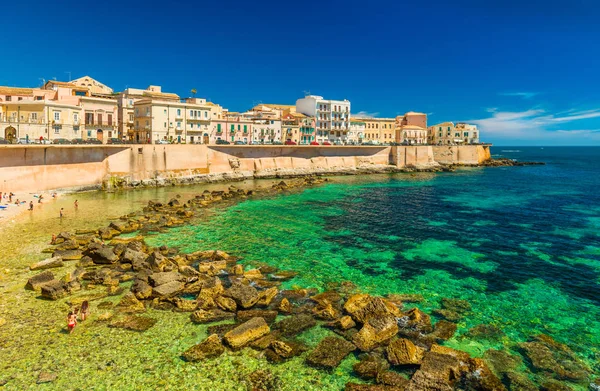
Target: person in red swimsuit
{"points": [[71, 321]]}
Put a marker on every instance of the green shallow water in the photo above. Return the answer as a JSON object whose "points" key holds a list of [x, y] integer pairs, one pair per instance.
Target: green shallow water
{"points": [[520, 244]]}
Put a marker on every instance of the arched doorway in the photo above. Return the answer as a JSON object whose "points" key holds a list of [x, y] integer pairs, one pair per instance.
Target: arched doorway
{"points": [[10, 134], [100, 134], [205, 139]]}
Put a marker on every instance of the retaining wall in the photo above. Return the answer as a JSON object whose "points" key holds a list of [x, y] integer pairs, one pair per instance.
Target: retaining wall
{"points": [[40, 168]]}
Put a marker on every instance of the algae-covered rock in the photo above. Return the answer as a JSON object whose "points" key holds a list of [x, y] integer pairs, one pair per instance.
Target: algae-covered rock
{"points": [[130, 304], [444, 330], [68, 255], [46, 377], [403, 352], [370, 367], [480, 377], [376, 329], [416, 320], [48, 263], [169, 289], [487, 332], [502, 361], [263, 380], [294, 324], [141, 289], [280, 350], [36, 282], [246, 315], [519, 381], [266, 296], [393, 380], [161, 278], [330, 352], [246, 333], [54, 290], [361, 307], [244, 295], [226, 303], [134, 323], [215, 315], [284, 306], [546, 355], [211, 347]]}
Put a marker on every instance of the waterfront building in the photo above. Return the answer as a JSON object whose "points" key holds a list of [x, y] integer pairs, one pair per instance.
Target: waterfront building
{"points": [[356, 133], [332, 117], [298, 128], [411, 128], [446, 133], [164, 117], [378, 130], [92, 85]]}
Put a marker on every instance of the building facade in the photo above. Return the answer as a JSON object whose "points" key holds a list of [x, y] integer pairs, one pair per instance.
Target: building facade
{"points": [[446, 133], [332, 117], [378, 130], [356, 133], [411, 128]]}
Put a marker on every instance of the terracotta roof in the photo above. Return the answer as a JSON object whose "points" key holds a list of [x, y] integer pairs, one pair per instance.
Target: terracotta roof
{"points": [[15, 91]]}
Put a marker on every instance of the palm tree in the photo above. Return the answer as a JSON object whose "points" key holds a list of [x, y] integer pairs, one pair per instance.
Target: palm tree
{"points": [[194, 92]]}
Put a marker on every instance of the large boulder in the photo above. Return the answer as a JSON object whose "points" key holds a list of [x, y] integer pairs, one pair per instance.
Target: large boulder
{"points": [[246, 333], [226, 303], [279, 350], [157, 262], [36, 282], [362, 307], [548, 356], [377, 329], [369, 367], [137, 258], [330, 352], [244, 295], [141, 289], [134, 323], [266, 296], [161, 278], [416, 320], [211, 347], [102, 255], [54, 290], [211, 288], [48, 263], [169, 289], [212, 267], [403, 352]]}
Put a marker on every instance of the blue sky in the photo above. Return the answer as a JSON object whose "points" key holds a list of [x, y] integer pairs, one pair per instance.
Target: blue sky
{"points": [[527, 72]]}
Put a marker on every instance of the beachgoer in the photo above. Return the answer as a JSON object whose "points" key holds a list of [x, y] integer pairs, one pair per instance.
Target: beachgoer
{"points": [[30, 205], [53, 195], [53, 241], [61, 212], [85, 310], [10, 197], [76, 204], [17, 202], [40, 199], [71, 321]]}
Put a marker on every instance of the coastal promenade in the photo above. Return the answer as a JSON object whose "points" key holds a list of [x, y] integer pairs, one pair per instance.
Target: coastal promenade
{"points": [[83, 167]]}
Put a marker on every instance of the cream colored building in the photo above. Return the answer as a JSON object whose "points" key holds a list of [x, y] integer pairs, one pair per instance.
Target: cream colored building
{"points": [[93, 85], [357, 131], [446, 133], [162, 118], [377, 130], [411, 128]]}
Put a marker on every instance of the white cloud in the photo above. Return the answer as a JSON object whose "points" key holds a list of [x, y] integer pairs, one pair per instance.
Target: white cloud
{"points": [[524, 95], [536, 124], [365, 114]]}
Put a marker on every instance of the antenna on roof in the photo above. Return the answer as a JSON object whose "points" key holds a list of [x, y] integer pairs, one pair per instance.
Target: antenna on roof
{"points": [[69, 73], [43, 81], [306, 93]]}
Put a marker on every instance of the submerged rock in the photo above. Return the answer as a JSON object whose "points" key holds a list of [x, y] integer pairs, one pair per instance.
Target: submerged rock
{"points": [[246, 333], [392, 379], [280, 351], [295, 324], [46, 377], [403, 352], [376, 330], [518, 381], [130, 304], [263, 380], [487, 332], [211, 347], [546, 355], [370, 367], [361, 307], [203, 316], [330, 352], [134, 323], [244, 316], [244, 295]]}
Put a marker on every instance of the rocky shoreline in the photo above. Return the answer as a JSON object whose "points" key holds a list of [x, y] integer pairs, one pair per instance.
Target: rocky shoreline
{"points": [[398, 346]]}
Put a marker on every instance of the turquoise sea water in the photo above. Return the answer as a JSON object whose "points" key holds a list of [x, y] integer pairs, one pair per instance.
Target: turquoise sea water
{"points": [[521, 244]]}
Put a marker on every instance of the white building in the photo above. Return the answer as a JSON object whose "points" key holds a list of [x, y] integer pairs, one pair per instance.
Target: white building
{"points": [[357, 132], [469, 134], [332, 117]]}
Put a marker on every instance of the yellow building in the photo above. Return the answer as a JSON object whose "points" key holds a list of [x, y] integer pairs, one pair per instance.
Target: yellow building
{"points": [[377, 130]]}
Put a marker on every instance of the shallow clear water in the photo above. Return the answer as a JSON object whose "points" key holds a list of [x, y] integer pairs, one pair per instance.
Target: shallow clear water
{"points": [[521, 244]]}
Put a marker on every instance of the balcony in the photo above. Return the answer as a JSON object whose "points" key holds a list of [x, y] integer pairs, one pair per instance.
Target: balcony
{"points": [[198, 119]]}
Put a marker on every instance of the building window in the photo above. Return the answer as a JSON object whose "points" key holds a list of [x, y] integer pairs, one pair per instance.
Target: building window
{"points": [[99, 119], [34, 116], [178, 112], [8, 98], [239, 127], [110, 119], [56, 129], [218, 128], [191, 113], [75, 129], [89, 133], [178, 125], [206, 114], [245, 128], [57, 115]]}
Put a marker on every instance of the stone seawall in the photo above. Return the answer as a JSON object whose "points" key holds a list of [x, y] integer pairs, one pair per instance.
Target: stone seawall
{"points": [[74, 167]]}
